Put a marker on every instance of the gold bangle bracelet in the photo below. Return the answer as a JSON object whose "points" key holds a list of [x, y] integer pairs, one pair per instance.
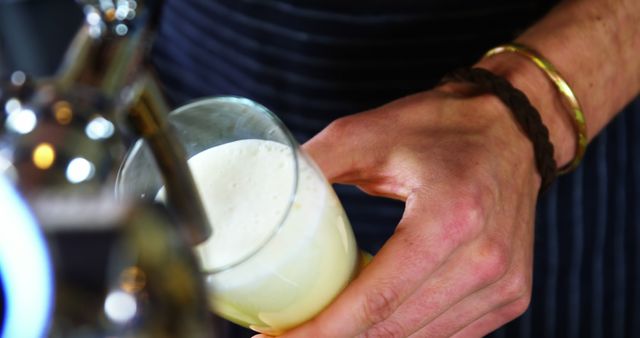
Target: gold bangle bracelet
{"points": [[577, 116]]}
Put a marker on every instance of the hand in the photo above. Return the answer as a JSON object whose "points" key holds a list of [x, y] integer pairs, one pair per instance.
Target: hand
{"points": [[460, 261]]}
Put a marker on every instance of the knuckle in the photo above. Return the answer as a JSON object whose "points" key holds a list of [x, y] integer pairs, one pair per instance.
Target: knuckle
{"points": [[518, 307], [338, 128], [339, 125], [379, 305], [387, 329], [468, 218], [516, 287], [493, 262]]}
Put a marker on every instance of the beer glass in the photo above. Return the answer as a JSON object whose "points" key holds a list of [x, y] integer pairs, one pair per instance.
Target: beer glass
{"points": [[281, 247]]}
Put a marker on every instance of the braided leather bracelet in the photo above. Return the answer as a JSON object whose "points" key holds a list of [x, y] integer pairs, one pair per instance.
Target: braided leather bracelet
{"points": [[524, 113]]}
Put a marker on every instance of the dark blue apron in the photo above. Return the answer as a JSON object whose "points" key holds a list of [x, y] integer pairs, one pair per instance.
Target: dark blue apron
{"points": [[313, 61]]}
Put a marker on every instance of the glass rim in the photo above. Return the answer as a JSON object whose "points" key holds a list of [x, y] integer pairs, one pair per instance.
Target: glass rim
{"points": [[254, 108]]}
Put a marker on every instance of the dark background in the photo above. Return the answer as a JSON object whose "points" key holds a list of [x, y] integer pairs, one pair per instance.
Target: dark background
{"points": [[35, 33]]}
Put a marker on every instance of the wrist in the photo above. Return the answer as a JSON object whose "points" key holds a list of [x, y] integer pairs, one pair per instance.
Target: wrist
{"points": [[525, 76]]}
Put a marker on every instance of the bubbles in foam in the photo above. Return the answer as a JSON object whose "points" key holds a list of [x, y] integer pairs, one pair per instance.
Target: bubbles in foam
{"points": [[246, 188]]}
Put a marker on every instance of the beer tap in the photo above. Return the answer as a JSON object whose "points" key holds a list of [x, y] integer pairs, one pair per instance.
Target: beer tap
{"points": [[68, 131], [121, 267]]}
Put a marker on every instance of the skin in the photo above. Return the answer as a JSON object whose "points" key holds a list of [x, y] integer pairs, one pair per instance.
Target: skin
{"points": [[460, 261]]}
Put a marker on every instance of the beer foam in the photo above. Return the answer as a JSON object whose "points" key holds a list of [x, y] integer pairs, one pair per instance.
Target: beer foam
{"points": [[299, 247], [246, 188]]}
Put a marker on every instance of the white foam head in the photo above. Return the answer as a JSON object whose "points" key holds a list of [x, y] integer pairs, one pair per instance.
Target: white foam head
{"points": [[246, 187]]}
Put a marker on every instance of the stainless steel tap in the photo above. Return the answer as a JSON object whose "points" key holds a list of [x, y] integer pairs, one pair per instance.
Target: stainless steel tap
{"points": [[62, 140], [69, 131]]}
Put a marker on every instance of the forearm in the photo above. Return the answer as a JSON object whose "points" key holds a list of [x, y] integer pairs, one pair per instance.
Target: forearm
{"points": [[595, 45]]}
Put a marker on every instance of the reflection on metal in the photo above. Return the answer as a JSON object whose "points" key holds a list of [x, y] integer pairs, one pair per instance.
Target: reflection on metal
{"points": [[99, 128], [108, 55], [93, 18], [120, 10], [74, 123], [128, 276], [43, 156], [133, 279], [18, 78], [62, 139], [120, 306], [121, 29], [62, 112], [80, 170], [12, 105], [95, 24], [21, 121]]}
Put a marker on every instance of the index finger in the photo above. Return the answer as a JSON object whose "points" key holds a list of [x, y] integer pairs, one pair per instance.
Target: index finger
{"points": [[421, 243]]}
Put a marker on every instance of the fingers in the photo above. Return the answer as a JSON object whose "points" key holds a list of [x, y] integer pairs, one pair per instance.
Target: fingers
{"points": [[408, 258], [494, 320], [479, 278], [483, 325], [435, 275], [483, 312], [463, 279]]}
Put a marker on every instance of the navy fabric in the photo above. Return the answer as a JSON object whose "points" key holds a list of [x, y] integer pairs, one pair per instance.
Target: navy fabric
{"points": [[313, 61], [587, 258]]}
